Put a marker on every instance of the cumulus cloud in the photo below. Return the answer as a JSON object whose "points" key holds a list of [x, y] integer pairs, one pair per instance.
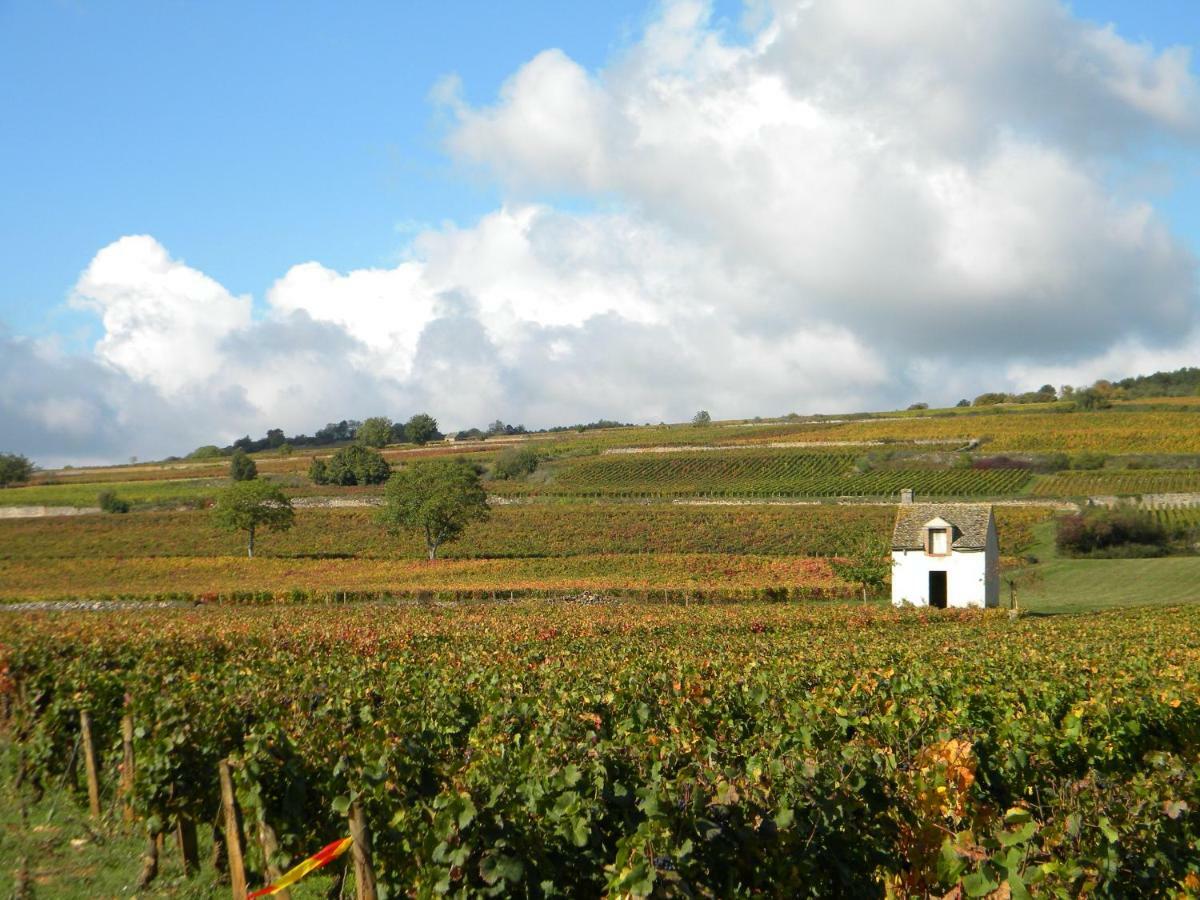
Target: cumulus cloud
{"points": [[163, 321], [926, 174], [856, 205]]}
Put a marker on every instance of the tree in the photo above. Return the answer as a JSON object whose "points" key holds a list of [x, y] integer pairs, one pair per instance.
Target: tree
{"points": [[867, 564], [242, 467], [701, 418], [963, 402], [208, 451], [351, 465], [14, 469], [375, 432], [422, 428], [251, 505], [275, 437], [437, 498]]}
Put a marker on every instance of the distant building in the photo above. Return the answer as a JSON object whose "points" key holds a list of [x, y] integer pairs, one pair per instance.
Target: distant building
{"points": [[945, 555]]}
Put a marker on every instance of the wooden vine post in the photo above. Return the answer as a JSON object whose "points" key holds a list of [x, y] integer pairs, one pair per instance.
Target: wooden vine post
{"points": [[185, 840], [364, 872], [127, 764], [233, 838], [270, 846], [89, 760]]}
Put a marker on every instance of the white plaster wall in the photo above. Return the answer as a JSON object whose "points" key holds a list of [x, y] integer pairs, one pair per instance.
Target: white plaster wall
{"points": [[967, 581]]}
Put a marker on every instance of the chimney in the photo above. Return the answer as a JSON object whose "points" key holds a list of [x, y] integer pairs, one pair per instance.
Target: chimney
{"points": [[906, 496]]}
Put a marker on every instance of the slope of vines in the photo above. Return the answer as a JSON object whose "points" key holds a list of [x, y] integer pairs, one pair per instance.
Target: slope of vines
{"points": [[555, 751], [1118, 482], [761, 474]]}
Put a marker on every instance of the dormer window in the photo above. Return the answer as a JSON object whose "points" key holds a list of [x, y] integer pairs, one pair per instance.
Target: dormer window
{"points": [[939, 542], [939, 537]]}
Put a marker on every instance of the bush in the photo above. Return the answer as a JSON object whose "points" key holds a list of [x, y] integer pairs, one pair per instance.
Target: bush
{"points": [[1120, 532], [990, 399], [964, 402], [350, 466], [242, 467], [109, 502], [1089, 459], [701, 418], [208, 451], [14, 468], [916, 406], [515, 462]]}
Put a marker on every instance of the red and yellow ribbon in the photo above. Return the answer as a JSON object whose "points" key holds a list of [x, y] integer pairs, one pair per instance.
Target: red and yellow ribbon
{"points": [[322, 857]]}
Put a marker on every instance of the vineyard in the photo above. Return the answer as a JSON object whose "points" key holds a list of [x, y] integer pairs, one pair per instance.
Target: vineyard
{"points": [[748, 473], [519, 530], [1108, 431], [716, 575], [529, 548], [741, 750], [1117, 482]]}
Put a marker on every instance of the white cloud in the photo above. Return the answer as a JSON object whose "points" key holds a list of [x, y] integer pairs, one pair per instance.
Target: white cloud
{"points": [[163, 321], [860, 205]]}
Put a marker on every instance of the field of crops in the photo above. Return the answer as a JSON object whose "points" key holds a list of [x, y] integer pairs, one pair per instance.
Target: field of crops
{"points": [[742, 750], [1118, 482], [758, 473]]}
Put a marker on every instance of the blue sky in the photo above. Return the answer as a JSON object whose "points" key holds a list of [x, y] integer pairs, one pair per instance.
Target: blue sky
{"points": [[247, 136], [251, 136], [664, 212]]}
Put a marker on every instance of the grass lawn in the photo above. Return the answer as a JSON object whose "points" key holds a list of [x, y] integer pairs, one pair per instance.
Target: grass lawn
{"points": [[1057, 584], [67, 855]]}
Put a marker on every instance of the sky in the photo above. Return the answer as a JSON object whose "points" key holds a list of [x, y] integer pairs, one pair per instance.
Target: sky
{"points": [[218, 218]]}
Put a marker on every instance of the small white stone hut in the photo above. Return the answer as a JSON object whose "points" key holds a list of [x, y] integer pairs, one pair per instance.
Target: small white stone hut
{"points": [[945, 555]]}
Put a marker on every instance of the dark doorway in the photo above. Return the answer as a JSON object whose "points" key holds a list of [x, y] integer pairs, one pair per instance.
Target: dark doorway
{"points": [[937, 590]]}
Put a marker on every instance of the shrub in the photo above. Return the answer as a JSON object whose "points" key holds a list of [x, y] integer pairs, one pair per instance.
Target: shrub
{"points": [[109, 502], [242, 467], [963, 403], [14, 468], [515, 462], [208, 451], [1119, 532], [1089, 459], [990, 399], [915, 406], [701, 418], [349, 466]]}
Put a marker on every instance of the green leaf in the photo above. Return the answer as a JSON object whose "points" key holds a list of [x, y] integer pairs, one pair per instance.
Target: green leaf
{"points": [[1017, 816], [467, 814], [1107, 830], [499, 866], [1017, 835], [341, 805]]}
